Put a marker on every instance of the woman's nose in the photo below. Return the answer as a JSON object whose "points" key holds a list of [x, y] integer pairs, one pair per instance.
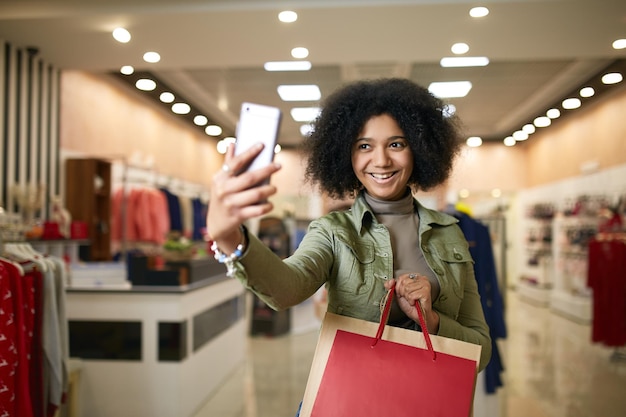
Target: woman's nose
{"points": [[380, 157]]}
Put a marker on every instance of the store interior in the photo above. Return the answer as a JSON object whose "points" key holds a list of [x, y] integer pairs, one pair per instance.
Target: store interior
{"points": [[104, 193]]}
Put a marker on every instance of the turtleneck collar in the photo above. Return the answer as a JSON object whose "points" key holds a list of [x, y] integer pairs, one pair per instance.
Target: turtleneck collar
{"points": [[402, 206]]}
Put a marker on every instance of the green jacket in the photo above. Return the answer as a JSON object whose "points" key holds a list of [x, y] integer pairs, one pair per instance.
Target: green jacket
{"points": [[350, 252]]}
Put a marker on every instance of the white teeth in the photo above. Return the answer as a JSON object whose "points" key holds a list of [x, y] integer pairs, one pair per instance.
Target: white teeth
{"points": [[382, 176]]}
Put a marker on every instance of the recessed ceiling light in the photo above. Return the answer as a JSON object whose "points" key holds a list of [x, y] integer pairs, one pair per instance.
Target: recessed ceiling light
{"points": [[222, 145], [479, 11], [181, 108], [299, 52], [121, 35], [496, 193], [619, 44], [304, 114], [459, 48], [553, 114], [306, 130], [151, 57], [213, 130], [509, 141], [287, 16], [542, 121], [127, 70], [448, 110], [529, 128], [287, 66], [167, 97], [571, 103], [145, 84], [612, 78], [200, 120], [520, 135], [299, 92], [464, 193], [464, 61], [450, 89], [587, 92], [278, 148], [474, 141]]}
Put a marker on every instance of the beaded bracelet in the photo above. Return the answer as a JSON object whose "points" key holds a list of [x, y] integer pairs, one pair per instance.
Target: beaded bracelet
{"points": [[229, 260]]}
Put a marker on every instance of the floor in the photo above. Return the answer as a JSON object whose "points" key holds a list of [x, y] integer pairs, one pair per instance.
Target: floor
{"points": [[552, 370]]}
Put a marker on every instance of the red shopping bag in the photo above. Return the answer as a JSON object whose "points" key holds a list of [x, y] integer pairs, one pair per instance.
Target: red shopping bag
{"points": [[397, 372]]}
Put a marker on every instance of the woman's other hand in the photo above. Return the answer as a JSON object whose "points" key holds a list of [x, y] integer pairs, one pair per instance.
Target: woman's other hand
{"points": [[411, 289]]}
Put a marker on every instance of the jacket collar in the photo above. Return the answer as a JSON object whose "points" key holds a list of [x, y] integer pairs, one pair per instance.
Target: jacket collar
{"points": [[362, 214]]}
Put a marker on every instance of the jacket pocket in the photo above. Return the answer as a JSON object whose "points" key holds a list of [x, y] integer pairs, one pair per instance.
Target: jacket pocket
{"points": [[453, 263], [354, 262]]}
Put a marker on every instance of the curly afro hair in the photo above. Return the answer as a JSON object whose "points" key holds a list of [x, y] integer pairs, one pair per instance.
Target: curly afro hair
{"points": [[433, 138]]}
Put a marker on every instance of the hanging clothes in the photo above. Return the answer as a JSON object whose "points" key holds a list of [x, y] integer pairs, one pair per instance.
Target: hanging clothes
{"points": [[607, 277], [33, 333], [480, 247]]}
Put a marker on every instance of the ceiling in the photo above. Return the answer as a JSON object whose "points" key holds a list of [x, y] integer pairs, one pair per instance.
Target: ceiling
{"points": [[212, 51]]}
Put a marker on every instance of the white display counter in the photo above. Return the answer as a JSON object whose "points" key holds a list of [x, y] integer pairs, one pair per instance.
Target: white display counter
{"points": [[155, 351]]}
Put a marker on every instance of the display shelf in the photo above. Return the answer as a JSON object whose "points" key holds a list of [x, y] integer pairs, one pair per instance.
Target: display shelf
{"points": [[533, 293], [572, 296]]}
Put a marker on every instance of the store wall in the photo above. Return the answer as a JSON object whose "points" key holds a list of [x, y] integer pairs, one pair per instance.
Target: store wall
{"points": [[593, 139], [101, 117]]}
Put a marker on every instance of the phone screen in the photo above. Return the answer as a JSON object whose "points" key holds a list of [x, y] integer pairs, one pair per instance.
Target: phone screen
{"points": [[258, 123]]}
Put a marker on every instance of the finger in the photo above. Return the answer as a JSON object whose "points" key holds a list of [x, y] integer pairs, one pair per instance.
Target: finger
{"points": [[239, 162]]}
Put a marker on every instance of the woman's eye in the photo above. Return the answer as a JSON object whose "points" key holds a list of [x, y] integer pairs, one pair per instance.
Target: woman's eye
{"points": [[398, 145]]}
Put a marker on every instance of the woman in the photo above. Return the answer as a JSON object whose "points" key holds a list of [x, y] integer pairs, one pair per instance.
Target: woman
{"points": [[378, 140]]}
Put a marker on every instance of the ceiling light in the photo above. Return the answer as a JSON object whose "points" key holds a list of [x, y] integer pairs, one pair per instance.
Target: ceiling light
{"points": [[459, 48], [464, 193], [479, 11], [145, 84], [448, 110], [287, 66], [278, 148], [587, 92], [127, 70], [151, 57], [509, 141], [287, 16], [304, 114], [496, 193], [529, 128], [299, 52], [450, 89], [299, 92], [612, 78], [306, 130], [571, 103], [222, 145], [464, 61], [200, 120], [474, 141], [553, 114], [542, 121], [520, 135], [619, 44], [181, 108], [213, 130], [121, 35], [167, 97]]}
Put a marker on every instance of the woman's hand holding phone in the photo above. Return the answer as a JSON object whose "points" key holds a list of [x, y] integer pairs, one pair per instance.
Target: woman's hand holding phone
{"points": [[237, 198]]}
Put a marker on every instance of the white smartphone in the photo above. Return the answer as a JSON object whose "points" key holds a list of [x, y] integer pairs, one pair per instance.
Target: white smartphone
{"points": [[258, 123]]}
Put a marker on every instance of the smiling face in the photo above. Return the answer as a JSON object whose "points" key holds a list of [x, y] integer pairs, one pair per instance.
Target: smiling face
{"points": [[382, 159]]}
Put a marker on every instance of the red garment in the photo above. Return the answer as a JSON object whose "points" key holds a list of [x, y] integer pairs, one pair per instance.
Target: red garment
{"points": [[23, 307], [8, 349], [607, 277]]}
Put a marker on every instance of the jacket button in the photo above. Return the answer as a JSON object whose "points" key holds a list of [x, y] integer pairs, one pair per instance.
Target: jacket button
{"points": [[458, 256], [438, 271]]}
